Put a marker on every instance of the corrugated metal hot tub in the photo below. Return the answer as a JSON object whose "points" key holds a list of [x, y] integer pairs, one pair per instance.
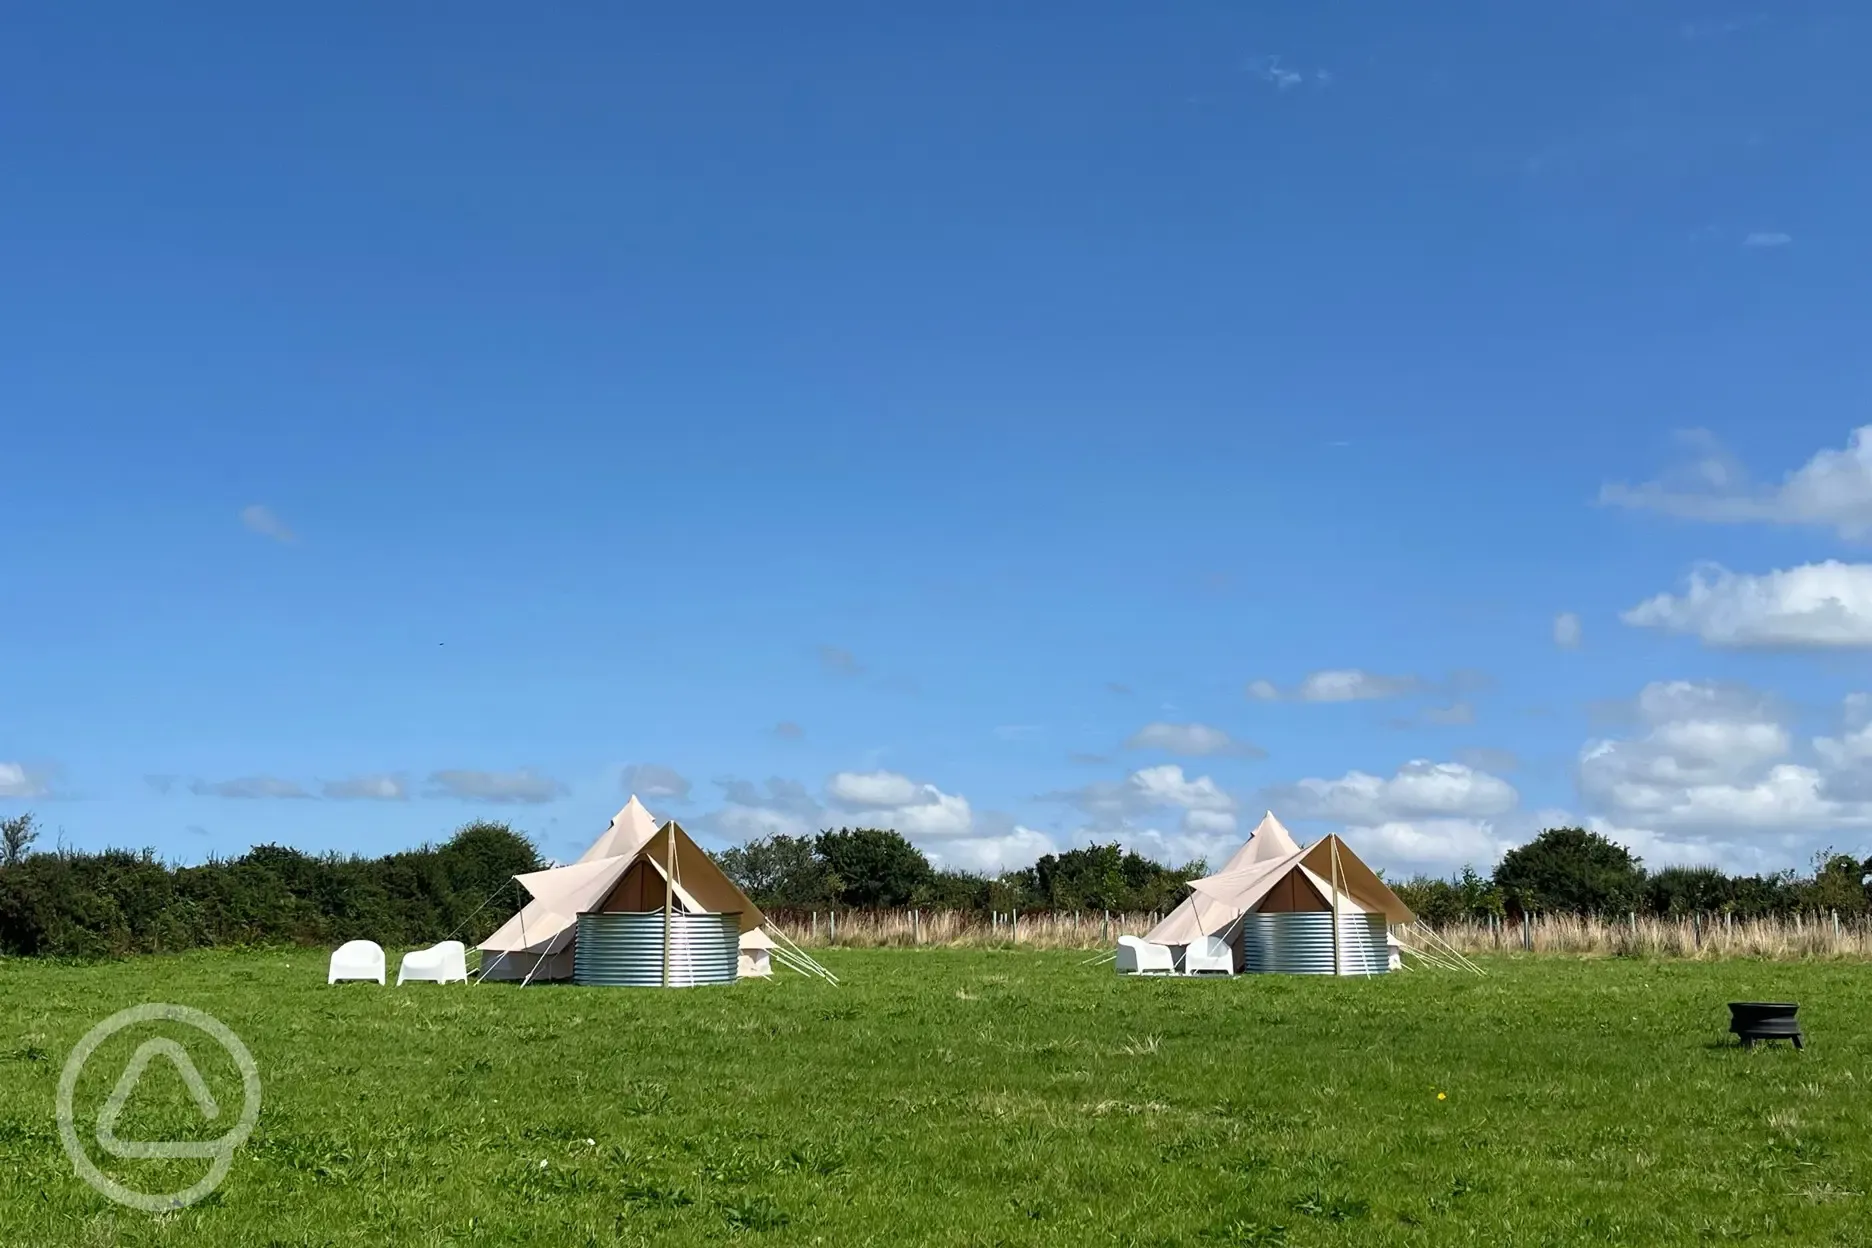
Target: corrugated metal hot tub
{"points": [[1301, 943], [625, 949]]}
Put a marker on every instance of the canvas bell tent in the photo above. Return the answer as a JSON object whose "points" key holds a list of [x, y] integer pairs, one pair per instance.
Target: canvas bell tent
{"points": [[670, 918], [1200, 915], [1318, 910], [537, 942], [634, 868]]}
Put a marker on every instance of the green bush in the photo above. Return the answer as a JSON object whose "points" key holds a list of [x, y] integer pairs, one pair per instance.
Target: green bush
{"points": [[871, 867], [91, 905]]}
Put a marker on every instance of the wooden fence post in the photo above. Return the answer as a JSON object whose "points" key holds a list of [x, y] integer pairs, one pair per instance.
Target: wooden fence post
{"points": [[1105, 931]]}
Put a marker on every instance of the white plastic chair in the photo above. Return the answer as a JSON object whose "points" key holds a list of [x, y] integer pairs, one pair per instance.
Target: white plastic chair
{"points": [[357, 959], [1137, 956], [438, 964], [1209, 955]]}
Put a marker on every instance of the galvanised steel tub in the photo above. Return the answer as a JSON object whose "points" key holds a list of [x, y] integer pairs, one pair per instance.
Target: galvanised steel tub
{"points": [[625, 949], [1301, 943]]}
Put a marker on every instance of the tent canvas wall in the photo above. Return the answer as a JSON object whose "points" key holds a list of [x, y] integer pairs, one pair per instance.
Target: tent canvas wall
{"points": [[756, 955], [1270, 886], [1201, 915], [1276, 876], [625, 869], [538, 940]]}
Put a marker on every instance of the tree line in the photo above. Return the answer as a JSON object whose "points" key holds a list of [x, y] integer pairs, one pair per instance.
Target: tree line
{"points": [[870, 868], [1563, 870], [68, 903], [1574, 871]]}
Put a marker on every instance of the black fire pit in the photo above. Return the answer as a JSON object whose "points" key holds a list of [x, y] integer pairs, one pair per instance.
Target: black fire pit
{"points": [[1764, 1020]]}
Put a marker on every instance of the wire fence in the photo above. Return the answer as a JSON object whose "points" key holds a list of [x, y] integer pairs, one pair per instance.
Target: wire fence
{"points": [[1818, 935], [878, 929]]}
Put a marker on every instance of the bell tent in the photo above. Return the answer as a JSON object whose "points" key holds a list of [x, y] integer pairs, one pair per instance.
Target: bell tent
{"points": [[1318, 910], [634, 867], [537, 942]]}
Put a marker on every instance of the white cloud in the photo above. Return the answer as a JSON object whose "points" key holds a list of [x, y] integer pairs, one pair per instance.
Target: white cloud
{"points": [[783, 807], [1124, 812], [1716, 771], [260, 519], [1284, 78], [379, 788], [1814, 606], [1431, 844], [1354, 685], [876, 799], [1269, 70], [1768, 238], [1851, 749], [248, 787], [1831, 490], [654, 781], [1156, 787], [1420, 789], [945, 815], [1165, 787], [1566, 631], [18, 781], [1663, 849], [886, 799], [993, 854], [1339, 684], [1786, 795], [747, 823], [1173, 849], [1190, 740], [1663, 700], [524, 786], [876, 788]]}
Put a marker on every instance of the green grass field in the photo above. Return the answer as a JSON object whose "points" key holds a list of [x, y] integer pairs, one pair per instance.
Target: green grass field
{"points": [[978, 1097]]}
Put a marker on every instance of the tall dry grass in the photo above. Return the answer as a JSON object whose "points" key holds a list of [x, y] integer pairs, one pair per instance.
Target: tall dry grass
{"points": [[876, 929], [1707, 936]]}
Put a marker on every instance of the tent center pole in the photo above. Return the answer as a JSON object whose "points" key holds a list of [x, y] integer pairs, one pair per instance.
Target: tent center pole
{"points": [[669, 899], [1337, 966]]}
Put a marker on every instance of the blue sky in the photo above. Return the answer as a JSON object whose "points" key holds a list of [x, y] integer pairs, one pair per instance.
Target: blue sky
{"points": [[942, 420]]}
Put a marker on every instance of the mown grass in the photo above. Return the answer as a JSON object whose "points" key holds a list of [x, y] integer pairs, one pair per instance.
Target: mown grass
{"points": [[972, 1098]]}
